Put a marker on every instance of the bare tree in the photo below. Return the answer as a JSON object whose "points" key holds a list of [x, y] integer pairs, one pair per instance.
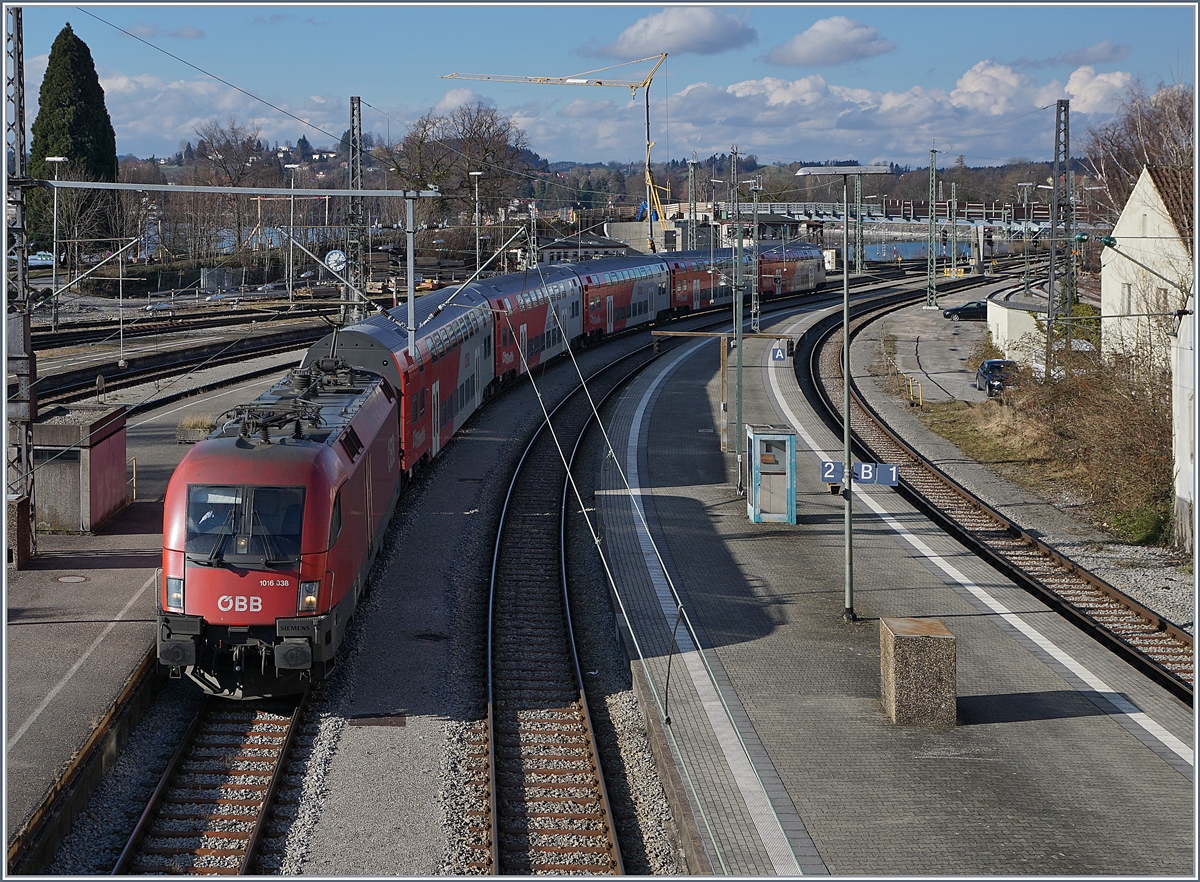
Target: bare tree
{"points": [[442, 151], [236, 158], [1149, 128], [131, 209]]}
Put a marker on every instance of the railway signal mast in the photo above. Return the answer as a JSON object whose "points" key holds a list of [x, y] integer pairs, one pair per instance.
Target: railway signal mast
{"points": [[22, 406], [586, 79]]}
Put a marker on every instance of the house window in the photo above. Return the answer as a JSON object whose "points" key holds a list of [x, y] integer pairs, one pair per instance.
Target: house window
{"points": [[1126, 298]]}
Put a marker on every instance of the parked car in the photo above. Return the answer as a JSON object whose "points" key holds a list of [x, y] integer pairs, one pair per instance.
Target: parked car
{"points": [[995, 375], [971, 311]]}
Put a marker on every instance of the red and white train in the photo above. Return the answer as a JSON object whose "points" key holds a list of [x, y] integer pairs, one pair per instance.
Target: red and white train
{"points": [[272, 523]]}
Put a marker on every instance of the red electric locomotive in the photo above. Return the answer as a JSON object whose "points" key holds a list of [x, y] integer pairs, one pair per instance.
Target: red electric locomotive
{"points": [[271, 527]]}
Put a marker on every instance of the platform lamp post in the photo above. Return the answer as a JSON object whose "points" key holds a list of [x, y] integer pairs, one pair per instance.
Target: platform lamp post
{"points": [[476, 175], [292, 231], [54, 263], [847, 172], [1025, 228]]}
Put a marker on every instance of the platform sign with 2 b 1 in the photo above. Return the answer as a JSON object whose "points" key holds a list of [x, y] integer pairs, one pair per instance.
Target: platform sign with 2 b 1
{"points": [[864, 473]]}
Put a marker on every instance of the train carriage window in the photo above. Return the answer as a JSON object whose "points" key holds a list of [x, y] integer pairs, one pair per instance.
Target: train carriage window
{"points": [[413, 410], [422, 402]]}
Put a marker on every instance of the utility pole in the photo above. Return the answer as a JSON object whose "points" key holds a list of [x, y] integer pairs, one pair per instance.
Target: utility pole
{"points": [[22, 406], [1060, 212], [477, 175], [737, 312], [931, 246], [847, 463], [354, 217], [858, 228], [953, 229], [691, 241], [292, 234], [755, 294], [1025, 187]]}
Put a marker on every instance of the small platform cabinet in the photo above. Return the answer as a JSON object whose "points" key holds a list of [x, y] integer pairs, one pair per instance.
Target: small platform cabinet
{"points": [[770, 477]]}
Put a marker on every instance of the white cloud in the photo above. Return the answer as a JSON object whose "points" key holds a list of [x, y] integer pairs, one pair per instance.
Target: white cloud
{"points": [[455, 98], [1091, 92], [994, 89], [678, 29], [180, 106], [831, 41]]}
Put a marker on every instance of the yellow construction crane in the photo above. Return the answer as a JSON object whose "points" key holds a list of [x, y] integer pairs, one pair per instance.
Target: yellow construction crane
{"points": [[586, 78]]}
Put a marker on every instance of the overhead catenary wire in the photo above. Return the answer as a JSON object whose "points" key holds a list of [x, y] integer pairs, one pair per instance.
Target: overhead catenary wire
{"points": [[195, 67]]}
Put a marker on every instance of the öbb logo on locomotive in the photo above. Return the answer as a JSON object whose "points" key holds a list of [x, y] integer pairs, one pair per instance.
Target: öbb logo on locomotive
{"points": [[241, 603], [292, 495]]}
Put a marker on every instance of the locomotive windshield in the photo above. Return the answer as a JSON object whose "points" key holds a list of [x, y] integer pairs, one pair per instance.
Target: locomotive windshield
{"points": [[239, 522]]}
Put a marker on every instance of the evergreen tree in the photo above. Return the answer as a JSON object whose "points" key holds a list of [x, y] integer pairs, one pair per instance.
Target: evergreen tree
{"points": [[72, 121], [304, 149]]}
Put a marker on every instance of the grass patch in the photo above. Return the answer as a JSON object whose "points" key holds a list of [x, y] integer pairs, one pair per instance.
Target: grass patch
{"points": [[198, 421], [1101, 435]]}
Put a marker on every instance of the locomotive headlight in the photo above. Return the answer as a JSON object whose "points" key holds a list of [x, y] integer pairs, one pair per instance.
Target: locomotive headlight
{"points": [[307, 601], [175, 594]]}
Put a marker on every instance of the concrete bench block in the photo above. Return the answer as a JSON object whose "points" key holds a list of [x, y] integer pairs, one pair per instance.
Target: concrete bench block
{"points": [[917, 672]]}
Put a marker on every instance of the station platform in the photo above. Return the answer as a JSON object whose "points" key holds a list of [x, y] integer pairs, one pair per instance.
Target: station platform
{"points": [[80, 617], [1064, 760], [788, 762]]}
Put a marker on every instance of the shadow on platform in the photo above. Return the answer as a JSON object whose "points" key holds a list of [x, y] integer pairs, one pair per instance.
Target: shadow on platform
{"points": [[1023, 707]]}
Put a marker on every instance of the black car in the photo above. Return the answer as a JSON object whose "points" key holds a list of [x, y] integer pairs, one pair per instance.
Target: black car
{"points": [[995, 375], [972, 311]]}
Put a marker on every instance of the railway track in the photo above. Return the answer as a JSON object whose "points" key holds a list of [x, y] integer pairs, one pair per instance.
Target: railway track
{"points": [[544, 806], [82, 333], [208, 815], [1156, 646], [79, 385]]}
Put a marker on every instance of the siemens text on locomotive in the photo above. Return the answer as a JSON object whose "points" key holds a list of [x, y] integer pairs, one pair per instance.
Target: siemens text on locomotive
{"points": [[273, 522]]}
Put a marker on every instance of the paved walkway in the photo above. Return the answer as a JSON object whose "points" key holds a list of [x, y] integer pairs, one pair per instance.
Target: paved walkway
{"points": [[1064, 759]]}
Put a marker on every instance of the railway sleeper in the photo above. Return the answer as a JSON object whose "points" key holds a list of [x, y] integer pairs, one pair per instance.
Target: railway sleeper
{"points": [[551, 831], [194, 852]]}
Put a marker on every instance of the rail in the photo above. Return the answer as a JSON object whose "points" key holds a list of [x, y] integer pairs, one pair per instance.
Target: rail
{"points": [[1157, 647]]}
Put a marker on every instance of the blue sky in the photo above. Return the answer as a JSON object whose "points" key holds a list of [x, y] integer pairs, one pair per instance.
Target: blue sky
{"points": [[784, 82]]}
